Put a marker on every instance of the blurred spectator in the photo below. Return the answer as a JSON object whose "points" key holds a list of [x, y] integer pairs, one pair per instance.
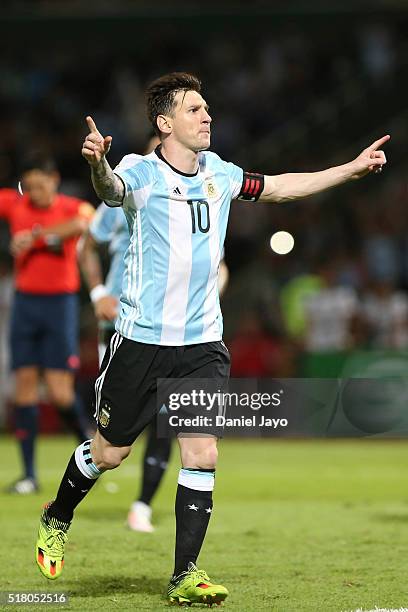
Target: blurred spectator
{"points": [[332, 313], [377, 52], [321, 314], [385, 312], [382, 257], [293, 299]]}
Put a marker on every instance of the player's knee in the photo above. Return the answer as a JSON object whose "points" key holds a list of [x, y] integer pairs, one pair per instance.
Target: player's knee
{"points": [[111, 457], [209, 459], [202, 458]]}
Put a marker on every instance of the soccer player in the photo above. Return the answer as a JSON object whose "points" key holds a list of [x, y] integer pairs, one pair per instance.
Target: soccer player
{"points": [[110, 225], [176, 201], [44, 226]]}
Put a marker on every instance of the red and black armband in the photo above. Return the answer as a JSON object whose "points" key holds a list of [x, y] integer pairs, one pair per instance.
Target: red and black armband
{"points": [[252, 186]]}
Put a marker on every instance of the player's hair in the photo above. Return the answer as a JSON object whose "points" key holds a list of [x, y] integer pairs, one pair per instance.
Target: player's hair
{"points": [[160, 94], [37, 160]]}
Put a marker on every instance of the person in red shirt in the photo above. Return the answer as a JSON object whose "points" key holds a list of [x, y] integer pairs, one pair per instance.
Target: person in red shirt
{"points": [[44, 226]]}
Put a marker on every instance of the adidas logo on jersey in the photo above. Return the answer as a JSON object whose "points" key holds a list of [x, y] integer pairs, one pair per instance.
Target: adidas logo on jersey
{"points": [[176, 191]]}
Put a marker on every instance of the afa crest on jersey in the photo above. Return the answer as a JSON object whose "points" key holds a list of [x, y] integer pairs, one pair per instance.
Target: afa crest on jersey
{"points": [[211, 189]]}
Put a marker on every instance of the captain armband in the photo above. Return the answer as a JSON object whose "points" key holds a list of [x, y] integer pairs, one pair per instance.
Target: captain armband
{"points": [[252, 186]]}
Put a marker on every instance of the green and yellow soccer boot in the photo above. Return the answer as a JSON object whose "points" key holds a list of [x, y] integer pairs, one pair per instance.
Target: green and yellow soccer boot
{"points": [[194, 586], [49, 549]]}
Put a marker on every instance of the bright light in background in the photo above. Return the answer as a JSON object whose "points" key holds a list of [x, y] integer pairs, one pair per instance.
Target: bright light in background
{"points": [[20, 188], [282, 243]]}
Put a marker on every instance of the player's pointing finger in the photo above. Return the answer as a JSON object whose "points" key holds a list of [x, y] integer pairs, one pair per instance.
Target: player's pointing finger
{"points": [[92, 125], [378, 143]]}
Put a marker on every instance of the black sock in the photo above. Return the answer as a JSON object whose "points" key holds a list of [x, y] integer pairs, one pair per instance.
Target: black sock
{"points": [[26, 425], [193, 511], [74, 484], [71, 419], [154, 464]]}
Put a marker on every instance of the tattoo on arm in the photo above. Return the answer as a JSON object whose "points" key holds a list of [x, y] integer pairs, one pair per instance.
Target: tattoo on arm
{"points": [[107, 185]]}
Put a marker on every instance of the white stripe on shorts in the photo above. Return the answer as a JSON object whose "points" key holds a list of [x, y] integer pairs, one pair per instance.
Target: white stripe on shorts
{"points": [[114, 344]]}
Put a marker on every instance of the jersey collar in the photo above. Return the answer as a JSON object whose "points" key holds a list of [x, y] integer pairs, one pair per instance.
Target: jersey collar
{"points": [[160, 156]]}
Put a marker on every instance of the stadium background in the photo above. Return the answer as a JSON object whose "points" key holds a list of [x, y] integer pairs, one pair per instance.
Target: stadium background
{"points": [[292, 87]]}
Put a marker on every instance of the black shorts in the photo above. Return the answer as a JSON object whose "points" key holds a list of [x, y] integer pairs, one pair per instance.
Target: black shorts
{"points": [[126, 389]]}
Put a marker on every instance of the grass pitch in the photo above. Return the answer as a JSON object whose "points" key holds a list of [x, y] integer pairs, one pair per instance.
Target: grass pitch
{"points": [[297, 526]]}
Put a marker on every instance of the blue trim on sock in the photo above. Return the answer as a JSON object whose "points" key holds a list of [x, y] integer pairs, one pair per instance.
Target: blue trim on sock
{"points": [[203, 473]]}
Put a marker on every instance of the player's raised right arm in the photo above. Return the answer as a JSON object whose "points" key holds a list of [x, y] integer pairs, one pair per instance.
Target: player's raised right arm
{"points": [[108, 186]]}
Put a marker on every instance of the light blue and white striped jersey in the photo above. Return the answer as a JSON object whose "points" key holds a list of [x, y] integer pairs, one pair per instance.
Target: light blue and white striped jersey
{"points": [[110, 225], [177, 228]]}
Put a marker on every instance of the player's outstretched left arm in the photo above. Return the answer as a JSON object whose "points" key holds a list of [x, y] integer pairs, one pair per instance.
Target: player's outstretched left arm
{"points": [[286, 187]]}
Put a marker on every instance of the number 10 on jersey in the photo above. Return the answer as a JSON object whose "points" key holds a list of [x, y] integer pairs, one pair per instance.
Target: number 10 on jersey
{"points": [[200, 216]]}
